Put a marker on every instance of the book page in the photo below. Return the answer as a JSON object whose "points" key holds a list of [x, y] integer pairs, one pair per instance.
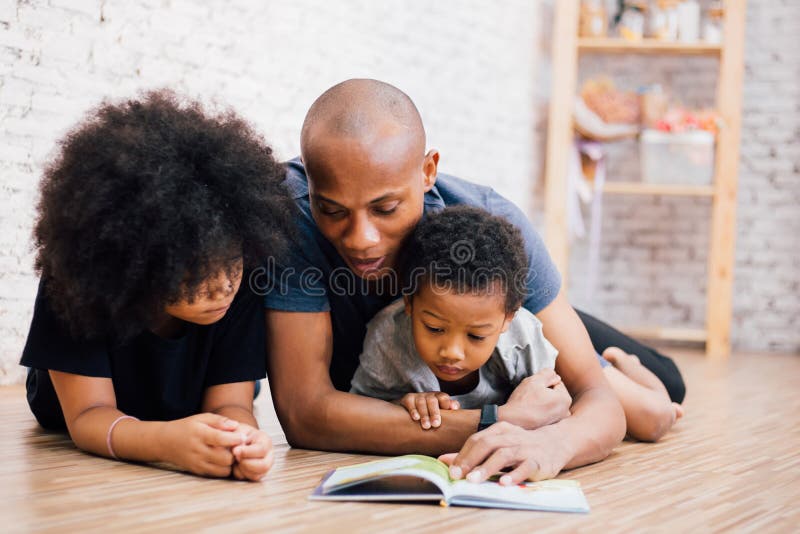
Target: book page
{"points": [[552, 495], [420, 466]]}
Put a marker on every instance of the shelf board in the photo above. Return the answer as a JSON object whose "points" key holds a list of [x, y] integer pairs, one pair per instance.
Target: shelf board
{"points": [[698, 335], [646, 46], [640, 188]]}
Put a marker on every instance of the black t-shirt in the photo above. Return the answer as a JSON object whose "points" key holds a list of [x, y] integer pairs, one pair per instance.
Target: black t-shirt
{"points": [[154, 378]]}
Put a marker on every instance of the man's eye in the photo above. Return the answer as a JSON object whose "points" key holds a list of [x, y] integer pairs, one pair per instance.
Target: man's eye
{"points": [[386, 210], [330, 212], [476, 338], [433, 329]]}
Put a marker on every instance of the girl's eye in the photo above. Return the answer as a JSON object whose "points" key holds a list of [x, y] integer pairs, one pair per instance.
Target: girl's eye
{"points": [[433, 329], [476, 338]]}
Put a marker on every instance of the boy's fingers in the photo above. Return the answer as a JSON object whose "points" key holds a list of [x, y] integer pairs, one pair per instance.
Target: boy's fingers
{"points": [[422, 408], [433, 411], [444, 401], [408, 403]]}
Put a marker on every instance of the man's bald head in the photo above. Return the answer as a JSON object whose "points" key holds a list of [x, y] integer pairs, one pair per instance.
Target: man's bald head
{"points": [[365, 111]]}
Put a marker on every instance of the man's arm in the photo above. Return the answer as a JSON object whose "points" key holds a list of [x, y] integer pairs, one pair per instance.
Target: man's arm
{"points": [[596, 426], [315, 415]]}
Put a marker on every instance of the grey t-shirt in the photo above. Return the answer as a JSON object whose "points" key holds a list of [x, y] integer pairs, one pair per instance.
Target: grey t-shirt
{"points": [[390, 366]]}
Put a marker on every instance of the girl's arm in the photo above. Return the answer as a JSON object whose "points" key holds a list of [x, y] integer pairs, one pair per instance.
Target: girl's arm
{"points": [[232, 400], [200, 444]]}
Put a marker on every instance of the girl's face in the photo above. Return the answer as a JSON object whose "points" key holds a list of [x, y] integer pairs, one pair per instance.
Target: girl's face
{"points": [[211, 303], [456, 333]]}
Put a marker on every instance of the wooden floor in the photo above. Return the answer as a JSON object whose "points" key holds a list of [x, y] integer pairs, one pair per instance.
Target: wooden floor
{"points": [[732, 464]]}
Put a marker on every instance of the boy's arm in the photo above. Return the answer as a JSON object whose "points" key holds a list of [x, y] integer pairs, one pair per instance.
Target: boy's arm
{"points": [[315, 415]]}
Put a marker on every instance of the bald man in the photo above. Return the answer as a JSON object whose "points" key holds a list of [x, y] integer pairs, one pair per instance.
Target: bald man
{"points": [[363, 182]]}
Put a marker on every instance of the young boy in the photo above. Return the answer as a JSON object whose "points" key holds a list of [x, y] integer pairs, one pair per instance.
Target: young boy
{"points": [[460, 339]]}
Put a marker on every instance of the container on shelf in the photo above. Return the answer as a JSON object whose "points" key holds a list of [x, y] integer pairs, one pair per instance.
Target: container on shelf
{"points": [[682, 158], [593, 19]]}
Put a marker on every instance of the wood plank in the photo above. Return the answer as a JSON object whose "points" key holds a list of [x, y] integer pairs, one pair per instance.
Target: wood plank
{"points": [[723, 220], [730, 464], [642, 188], [646, 46], [665, 333], [559, 132]]}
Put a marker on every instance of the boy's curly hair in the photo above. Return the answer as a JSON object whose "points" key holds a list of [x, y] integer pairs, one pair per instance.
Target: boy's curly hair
{"points": [[145, 200], [466, 249]]}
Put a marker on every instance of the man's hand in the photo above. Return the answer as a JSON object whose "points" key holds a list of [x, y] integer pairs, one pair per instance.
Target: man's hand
{"points": [[539, 400], [424, 407], [532, 454], [255, 457], [202, 443]]}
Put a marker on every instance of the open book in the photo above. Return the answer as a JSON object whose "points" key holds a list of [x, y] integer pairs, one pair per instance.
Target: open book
{"points": [[422, 478]]}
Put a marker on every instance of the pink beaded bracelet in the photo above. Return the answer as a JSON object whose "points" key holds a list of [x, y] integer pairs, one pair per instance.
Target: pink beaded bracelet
{"points": [[111, 429]]}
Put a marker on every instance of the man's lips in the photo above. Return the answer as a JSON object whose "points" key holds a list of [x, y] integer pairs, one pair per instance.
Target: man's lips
{"points": [[449, 369], [368, 264]]}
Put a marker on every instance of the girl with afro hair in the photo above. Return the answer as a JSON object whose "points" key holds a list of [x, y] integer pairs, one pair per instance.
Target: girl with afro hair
{"points": [[146, 339]]}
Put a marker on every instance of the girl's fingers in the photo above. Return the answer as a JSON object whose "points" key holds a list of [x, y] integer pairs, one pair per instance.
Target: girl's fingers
{"points": [[256, 450]]}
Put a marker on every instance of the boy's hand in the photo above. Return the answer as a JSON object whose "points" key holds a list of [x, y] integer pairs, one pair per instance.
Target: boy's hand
{"points": [[424, 407], [537, 401], [202, 443], [254, 457]]}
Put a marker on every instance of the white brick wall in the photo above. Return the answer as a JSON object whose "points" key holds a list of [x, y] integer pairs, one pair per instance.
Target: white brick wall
{"points": [[479, 73], [468, 66]]}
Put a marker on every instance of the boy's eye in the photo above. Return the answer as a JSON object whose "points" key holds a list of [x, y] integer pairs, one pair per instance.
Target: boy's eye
{"points": [[433, 329], [386, 209], [476, 338]]}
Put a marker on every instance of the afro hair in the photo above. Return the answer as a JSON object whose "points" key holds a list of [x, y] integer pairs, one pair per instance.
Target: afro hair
{"points": [[466, 249], [144, 201]]}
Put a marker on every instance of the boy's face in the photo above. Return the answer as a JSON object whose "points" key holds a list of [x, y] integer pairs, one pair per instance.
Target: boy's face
{"points": [[456, 333], [367, 196], [212, 301]]}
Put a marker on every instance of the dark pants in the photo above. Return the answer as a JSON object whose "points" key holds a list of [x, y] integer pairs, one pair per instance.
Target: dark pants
{"points": [[604, 335]]}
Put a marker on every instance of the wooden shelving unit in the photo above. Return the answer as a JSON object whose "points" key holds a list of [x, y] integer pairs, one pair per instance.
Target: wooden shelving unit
{"points": [[566, 48]]}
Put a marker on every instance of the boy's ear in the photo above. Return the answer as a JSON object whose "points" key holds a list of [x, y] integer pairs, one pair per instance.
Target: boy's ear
{"points": [[507, 321], [407, 302], [429, 165]]}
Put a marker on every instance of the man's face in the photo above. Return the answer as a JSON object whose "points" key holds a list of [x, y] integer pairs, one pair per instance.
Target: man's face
{"points": [[366, 197]]}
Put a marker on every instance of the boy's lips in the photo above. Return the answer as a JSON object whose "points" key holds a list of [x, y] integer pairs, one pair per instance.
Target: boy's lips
{"points": [[449, 369]]}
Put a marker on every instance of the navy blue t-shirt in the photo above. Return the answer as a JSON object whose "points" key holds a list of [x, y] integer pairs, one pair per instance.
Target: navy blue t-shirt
{"points": [[315, 278], [154, 378]]}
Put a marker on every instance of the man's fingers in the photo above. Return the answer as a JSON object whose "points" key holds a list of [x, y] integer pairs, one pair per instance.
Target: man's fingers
{"points": [[496, 461], [525, 470], [479, 446], [433, 411]]}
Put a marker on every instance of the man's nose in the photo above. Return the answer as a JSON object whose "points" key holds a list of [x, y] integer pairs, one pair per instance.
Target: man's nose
{"points": [[361, 234]]}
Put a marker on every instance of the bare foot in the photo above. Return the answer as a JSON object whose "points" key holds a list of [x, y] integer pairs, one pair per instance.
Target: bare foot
{"points": [[630, 366], [678, 410]]}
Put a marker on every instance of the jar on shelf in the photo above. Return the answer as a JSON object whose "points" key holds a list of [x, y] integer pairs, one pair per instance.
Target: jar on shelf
{"points": [[689, 21], [593, 19], [631, 22], [712, 29], [663, 20]]}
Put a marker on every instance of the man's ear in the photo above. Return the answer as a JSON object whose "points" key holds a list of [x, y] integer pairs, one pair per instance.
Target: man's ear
{"points": [[429, 166], [407, 302]]}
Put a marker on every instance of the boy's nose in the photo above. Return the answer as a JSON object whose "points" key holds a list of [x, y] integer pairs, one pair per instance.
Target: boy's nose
{"points": [[451, 352]]}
